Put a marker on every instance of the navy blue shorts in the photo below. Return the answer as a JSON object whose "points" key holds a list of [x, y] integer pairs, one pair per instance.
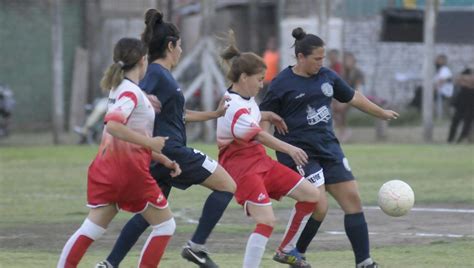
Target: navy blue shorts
{"points": [[333, 171], [196, 167]]}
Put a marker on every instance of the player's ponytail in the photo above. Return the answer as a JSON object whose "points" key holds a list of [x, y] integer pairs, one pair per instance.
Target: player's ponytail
{"points": [[158, 34], [127, 53], [238, 62], [305, 43]]}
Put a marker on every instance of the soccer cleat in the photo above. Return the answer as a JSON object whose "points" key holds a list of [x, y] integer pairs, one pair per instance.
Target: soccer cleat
{"points": [[293, 258], [373, 265], [201, 257], [104, 264]]}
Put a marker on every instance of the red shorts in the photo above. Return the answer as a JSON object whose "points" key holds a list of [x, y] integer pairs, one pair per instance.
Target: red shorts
{"points": [[133, 196], [274, 183]]}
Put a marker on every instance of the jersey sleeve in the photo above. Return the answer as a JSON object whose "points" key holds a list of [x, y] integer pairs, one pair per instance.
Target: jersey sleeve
{"points": [[271, 102], [243, 126], [150, 83], [342, 91], [123, 107]]}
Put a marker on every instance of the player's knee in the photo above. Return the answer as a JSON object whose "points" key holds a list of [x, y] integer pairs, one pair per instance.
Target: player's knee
{"points": [[268, 220], [165, 228], [230, 186]]}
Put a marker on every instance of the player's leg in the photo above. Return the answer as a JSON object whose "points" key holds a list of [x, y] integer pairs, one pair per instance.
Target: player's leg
{"points": [[313, 173], [223, 187], [91, 229], [133, 229], [347, 195], [281, 181], [265, 222], [163, 225], [314, 222]]}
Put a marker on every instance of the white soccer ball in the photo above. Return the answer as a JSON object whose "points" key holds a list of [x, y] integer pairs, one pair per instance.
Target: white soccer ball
{"points": [[396, 198]]}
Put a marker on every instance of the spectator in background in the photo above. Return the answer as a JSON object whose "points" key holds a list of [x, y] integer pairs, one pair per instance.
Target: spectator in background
{"points": [[271, 58], [335, 61], [7, 103], [443, 81], [464, 106], [355, 78]]}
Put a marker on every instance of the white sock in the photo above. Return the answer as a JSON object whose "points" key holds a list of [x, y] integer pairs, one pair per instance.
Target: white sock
{"points": [[254, 250]]}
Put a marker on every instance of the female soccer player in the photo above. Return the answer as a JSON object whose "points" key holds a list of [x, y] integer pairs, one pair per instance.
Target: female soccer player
{"points": [[259, 177], [301, 95], [119, 176], [164, 50]]}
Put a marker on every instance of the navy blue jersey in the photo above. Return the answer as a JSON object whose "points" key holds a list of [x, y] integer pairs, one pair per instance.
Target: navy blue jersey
{"points": [[305, 105], [170, 121]]}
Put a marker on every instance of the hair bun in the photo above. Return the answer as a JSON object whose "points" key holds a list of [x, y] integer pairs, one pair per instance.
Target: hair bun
{"points": [[298, 33], [153, 16]]}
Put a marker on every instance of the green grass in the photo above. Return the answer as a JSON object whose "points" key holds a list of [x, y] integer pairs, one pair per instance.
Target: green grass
{"points": [[47, 185], [440, 254]]}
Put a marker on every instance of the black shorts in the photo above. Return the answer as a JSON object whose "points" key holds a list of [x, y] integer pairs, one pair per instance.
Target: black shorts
{"points": [[196, 167], [333, 171]]}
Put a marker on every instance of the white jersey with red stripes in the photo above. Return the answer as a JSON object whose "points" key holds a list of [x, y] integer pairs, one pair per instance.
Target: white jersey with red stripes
{"points": [[119, 163], [239, 152]]}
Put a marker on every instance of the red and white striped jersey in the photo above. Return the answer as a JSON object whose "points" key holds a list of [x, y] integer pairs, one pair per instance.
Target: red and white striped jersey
{"points": [[239, 153], [120, 162]]}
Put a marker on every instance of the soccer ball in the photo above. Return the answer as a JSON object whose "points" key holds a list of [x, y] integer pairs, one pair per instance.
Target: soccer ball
{"points": [[396, 198]]}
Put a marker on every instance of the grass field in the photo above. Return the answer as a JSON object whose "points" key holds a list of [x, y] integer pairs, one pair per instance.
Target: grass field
{"points": [[42, 193]]}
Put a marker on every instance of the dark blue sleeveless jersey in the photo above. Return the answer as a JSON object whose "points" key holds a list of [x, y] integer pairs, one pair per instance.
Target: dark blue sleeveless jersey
{"points": [[170, 121], [305, 105]]}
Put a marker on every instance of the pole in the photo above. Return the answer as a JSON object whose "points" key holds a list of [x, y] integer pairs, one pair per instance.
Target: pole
{"points": [[58, 87], [431, 7]]}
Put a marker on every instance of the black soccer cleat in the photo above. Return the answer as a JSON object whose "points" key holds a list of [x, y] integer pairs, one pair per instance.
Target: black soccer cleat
{"points": [[201, 257]]}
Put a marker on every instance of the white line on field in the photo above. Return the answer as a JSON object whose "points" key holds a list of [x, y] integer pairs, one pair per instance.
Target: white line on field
{"points": [[409, 234], [448, 210]]}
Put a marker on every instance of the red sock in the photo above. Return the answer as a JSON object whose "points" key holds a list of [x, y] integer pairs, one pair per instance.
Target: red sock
{"points": [[302, 209], [153, 252], [77, 251]]}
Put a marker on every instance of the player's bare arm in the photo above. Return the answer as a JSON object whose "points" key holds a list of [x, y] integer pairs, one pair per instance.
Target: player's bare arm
{"points": [[362, 103], [198, 116], [276, 120], [165, 161], [122, 132], [298, 155]]}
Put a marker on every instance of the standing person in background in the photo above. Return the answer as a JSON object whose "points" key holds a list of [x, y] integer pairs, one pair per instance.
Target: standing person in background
{"points": [[464, 106], [259, 178], [335, 61], [444, 87], [119, 176], [355, 78], [302, 95], [164, 51], [271, 58]]}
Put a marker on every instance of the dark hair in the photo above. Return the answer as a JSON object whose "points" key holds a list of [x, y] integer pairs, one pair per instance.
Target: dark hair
{"points": [[240, 62], [127, 53], [305, 43], [158, 34]]}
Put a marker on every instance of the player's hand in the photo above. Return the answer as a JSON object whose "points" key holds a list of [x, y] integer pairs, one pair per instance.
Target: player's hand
{"points": [[299, 156], [155, 102], [157, 143], [223, 105], [389, 115], [279, 123], [175, 169]]}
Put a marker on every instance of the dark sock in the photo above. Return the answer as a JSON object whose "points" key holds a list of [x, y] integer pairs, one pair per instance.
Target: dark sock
{"points": [[358, 234], [212, 211], [127, 238], [309, 232]]}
